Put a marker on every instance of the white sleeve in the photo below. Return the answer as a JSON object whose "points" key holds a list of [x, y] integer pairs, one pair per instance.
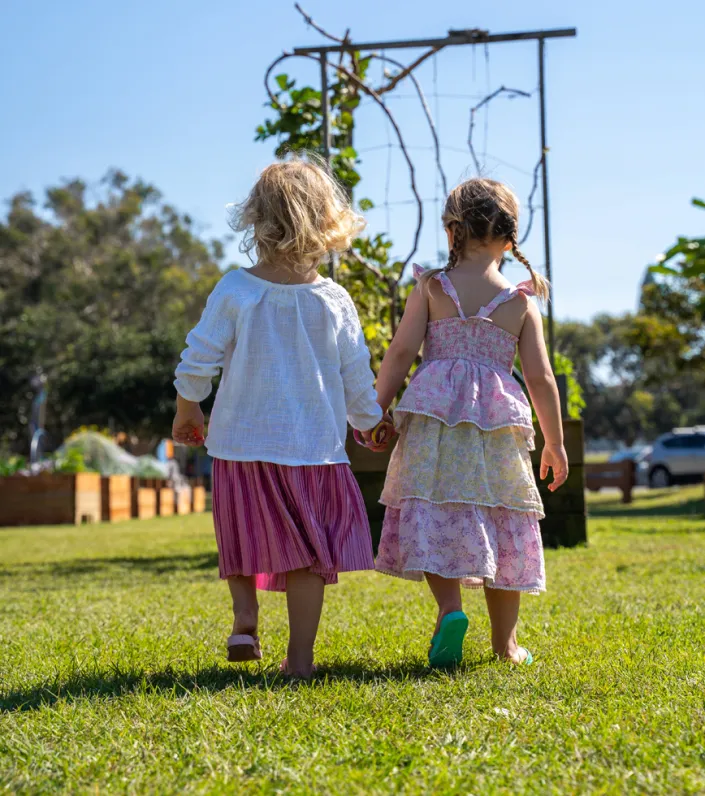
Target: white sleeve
{"points": [[206, 344], [363, 411]]}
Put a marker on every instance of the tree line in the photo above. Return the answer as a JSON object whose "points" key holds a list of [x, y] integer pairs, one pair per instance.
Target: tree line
{"points": [[99, 286]]}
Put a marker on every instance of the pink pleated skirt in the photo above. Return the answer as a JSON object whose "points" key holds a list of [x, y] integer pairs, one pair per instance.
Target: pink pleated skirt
{"points": [[271, 519]]}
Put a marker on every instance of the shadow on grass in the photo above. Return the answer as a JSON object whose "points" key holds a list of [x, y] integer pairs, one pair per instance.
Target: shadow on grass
{"points": [[174, 683], [157, 565], [693, 507]]}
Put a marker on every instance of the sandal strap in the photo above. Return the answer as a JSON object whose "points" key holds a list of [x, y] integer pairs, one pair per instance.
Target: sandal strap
{"points": [[243, 638]]}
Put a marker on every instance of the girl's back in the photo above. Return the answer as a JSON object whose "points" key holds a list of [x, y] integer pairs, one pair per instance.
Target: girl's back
{"points": [[462, 502], [288, 513], [476, 290], [289, 354]]}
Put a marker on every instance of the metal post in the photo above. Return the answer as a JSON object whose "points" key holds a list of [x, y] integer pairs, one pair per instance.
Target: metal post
{"points": [[325, 108], [544, 190], [325, 136]]}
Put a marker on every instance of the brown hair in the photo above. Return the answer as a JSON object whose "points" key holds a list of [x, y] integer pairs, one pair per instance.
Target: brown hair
{"points": [[295, 214], [483, 210]]}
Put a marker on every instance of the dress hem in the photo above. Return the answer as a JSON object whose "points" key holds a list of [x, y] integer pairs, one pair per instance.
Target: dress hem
{"points": [[488, 582], [400, 410], [523, 510]]}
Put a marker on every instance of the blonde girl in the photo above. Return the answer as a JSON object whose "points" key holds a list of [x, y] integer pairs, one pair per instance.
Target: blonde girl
{"points": [[288, 513]]}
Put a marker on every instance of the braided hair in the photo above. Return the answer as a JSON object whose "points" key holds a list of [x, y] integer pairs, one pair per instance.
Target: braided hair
{"points": [[481, 210], [456, 250]]}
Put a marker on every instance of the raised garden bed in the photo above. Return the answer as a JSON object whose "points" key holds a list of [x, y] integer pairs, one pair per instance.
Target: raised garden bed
{"points": [[370, 470], [183, 502], [166, 501], [50, 499], [143, 500], [565, 524], [198, 499], [116, 498]]}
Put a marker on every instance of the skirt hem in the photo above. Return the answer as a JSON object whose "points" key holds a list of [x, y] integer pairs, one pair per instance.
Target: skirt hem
{"points": [[523, 509], [530, 437], [276, 581], [417, 576]]}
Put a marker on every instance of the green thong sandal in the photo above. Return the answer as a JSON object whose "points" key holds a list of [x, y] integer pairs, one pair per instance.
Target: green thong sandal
{"points": [[447, 644]]}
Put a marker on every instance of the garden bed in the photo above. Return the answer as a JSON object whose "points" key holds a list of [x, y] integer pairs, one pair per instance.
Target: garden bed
{"points": [[50, 499], [115, 498]]}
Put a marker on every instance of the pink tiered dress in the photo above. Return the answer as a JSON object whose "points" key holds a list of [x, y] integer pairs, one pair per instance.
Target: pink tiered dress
{"points": [[460, 492]]}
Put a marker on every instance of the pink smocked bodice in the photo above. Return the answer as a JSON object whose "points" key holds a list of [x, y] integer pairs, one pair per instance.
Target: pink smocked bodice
{"points": [[466, 373], [474, 339]]}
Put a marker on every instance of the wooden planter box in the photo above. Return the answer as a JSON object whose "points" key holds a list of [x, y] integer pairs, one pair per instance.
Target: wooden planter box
{"points": [[370, 470], [165, 501], [198, 499], [183, 502], [143, 500], [565, 524], [50, 499], [116, 498]]}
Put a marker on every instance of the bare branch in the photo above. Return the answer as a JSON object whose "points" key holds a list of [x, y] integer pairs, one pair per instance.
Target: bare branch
{"points": [[372, 268], [530, 205], [402, 144], [512, 92], [346, 40], [427, 112], [270, 69], [309, 21], [407, 70]]}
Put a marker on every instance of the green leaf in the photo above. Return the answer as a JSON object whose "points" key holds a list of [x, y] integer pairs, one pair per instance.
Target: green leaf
{"points": [[663, 269], [282, 81], [698, 202], [366, 204]]}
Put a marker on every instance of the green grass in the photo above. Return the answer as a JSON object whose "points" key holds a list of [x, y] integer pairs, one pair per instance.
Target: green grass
{"points": [[113, 677]]}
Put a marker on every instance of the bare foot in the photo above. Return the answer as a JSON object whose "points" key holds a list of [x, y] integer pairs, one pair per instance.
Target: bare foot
{"points": [[299, 672], [516, 656]]}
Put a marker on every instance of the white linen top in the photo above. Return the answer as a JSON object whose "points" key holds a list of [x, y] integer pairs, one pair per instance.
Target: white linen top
{"points": [[295, 366]]}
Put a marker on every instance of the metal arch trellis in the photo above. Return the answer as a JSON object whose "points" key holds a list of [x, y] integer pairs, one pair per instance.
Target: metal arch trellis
{"points": [[432, 46]]}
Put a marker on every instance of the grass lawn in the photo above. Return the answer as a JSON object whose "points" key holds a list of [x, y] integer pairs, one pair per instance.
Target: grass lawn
{"points": [[113, 676]]}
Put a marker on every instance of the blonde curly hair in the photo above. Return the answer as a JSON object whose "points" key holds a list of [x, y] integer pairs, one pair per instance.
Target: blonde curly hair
{"points": [[295, 215]]}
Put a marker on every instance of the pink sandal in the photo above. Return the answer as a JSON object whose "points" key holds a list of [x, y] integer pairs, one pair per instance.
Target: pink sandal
{"points": [[242, 647]]}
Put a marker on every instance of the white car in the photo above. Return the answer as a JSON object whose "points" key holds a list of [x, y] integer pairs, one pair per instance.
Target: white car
{"points": [[676, 457]]}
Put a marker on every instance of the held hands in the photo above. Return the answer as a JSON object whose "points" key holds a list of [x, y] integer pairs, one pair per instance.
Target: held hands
{"points": [[554, 458], [378, 438], [188, 424]]}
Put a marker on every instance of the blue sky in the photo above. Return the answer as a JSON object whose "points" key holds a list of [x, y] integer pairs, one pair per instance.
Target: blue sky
{"points": [[172, 91]]}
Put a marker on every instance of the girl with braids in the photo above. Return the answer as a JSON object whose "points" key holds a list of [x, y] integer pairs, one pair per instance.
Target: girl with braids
{"points": [[462, 503]]}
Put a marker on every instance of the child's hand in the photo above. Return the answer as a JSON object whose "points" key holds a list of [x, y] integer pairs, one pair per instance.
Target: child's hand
{"points": [[554, 458], [188, 424], [378, 438]]}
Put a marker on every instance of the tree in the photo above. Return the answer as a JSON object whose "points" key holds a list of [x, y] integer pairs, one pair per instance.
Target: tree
{"points": [[98, 294], [641, 374], [690, 268]]}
